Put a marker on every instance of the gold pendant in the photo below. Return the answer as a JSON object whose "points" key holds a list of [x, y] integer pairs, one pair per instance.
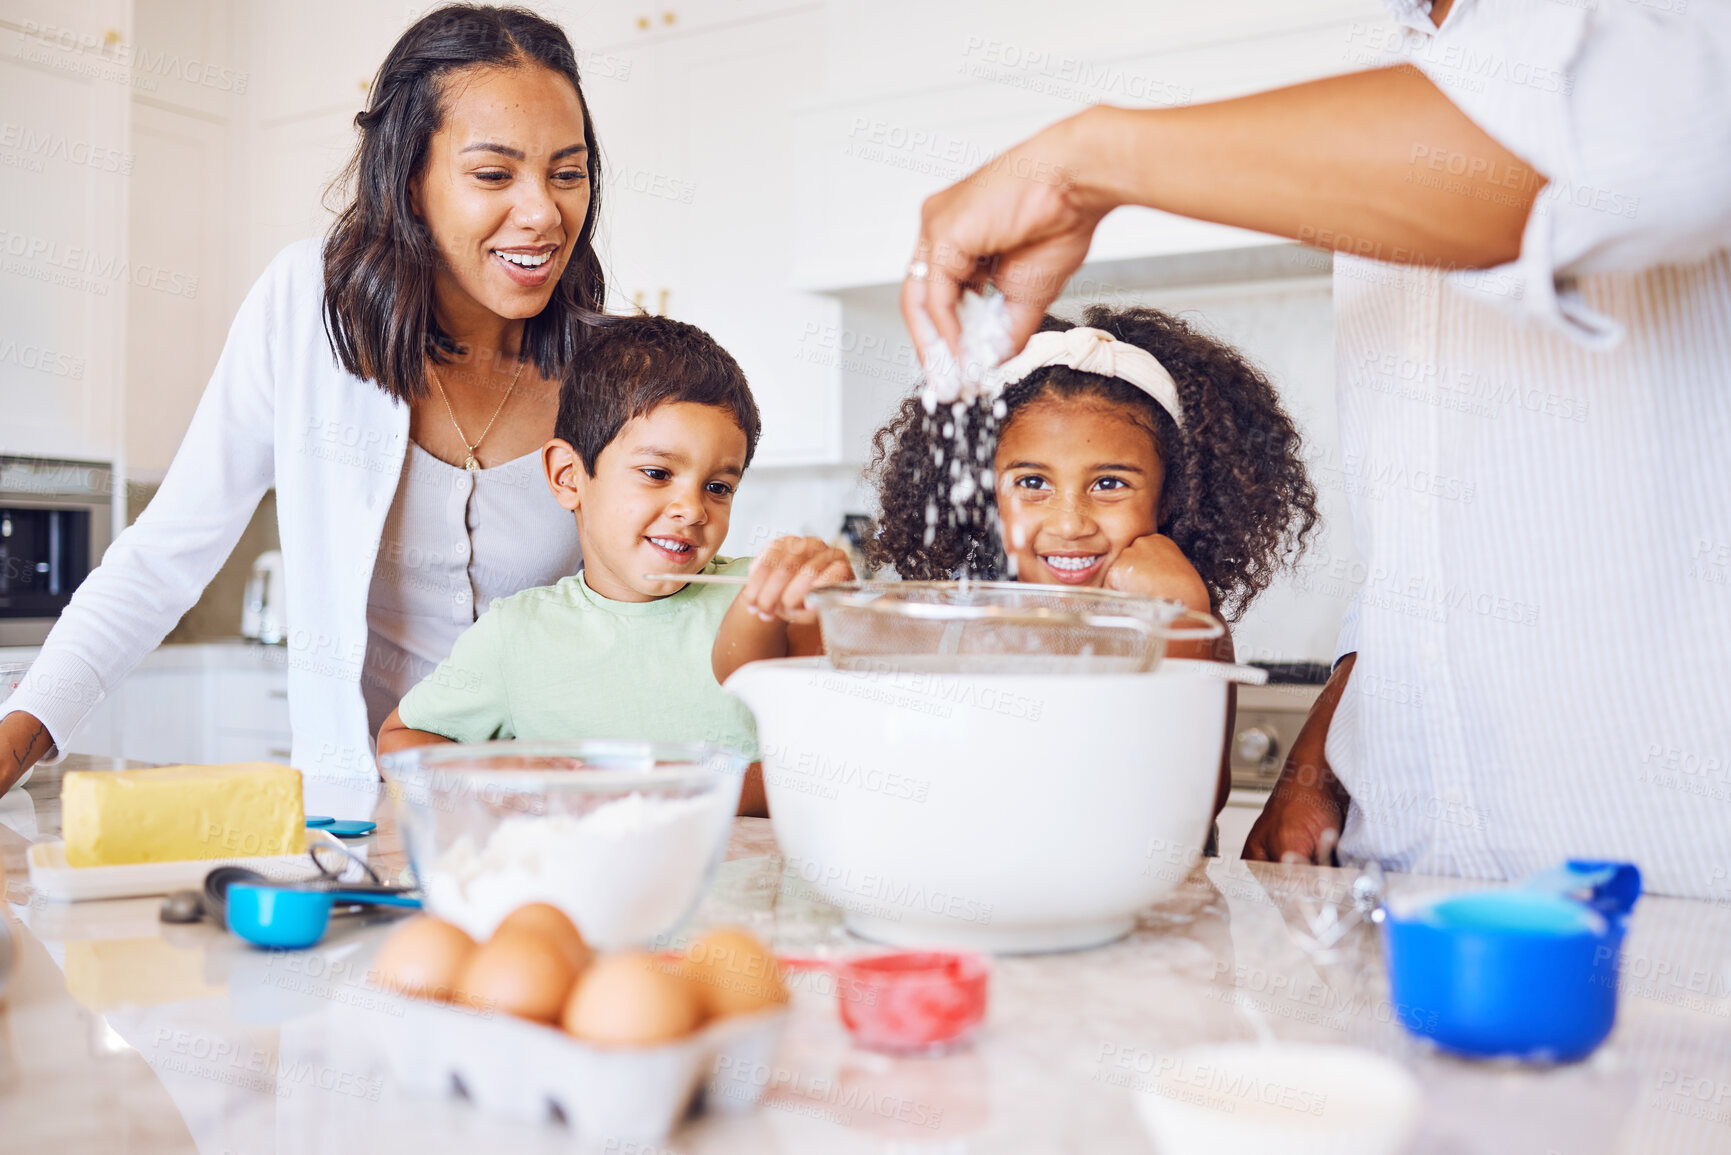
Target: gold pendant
{"points": [[471, 464]]}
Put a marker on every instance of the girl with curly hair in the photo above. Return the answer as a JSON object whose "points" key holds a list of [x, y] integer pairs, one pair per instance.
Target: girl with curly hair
{"points": [[1133, 452]]}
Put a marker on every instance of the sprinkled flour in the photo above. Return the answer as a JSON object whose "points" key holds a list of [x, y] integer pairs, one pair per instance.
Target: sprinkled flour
{"points": [[625, 873], [959, 417], [985, 321]]}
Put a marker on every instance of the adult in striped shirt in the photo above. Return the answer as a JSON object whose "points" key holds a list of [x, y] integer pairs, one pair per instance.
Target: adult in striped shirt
{"points": [[1533, 310]]}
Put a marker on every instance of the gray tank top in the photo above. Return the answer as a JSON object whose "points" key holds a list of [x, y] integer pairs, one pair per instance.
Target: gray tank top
{"points": [[453, 542]]}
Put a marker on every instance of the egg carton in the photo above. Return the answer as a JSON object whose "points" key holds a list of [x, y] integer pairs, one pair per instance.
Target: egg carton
{"points": [[521, 1070]]}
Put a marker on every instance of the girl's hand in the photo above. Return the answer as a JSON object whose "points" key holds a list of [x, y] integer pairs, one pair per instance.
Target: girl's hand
{"points": [[1155, 567], [784, 573]]}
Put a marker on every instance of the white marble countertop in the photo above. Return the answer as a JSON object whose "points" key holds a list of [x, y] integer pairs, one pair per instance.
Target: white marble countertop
{"points": [[122, 1034]]}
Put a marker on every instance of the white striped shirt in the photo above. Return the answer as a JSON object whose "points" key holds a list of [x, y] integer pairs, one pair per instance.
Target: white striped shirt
{"points": [[1543, 624]]}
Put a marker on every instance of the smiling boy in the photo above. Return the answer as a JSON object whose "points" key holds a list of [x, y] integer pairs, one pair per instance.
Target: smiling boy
{"points": [[656, 427]]}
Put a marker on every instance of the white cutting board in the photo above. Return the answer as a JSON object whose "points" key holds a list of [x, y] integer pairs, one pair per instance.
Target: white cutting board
{"points": [[53, 879]]}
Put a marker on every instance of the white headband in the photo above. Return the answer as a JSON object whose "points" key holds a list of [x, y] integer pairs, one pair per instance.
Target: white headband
{"points": [[1091, 351]]}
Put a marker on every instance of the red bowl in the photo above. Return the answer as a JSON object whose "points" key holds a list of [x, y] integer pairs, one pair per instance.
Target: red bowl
{"points": [[913, 1001]]}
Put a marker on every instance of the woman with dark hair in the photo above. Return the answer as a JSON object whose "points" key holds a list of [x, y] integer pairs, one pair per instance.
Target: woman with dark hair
{"points": [[394, 383]]}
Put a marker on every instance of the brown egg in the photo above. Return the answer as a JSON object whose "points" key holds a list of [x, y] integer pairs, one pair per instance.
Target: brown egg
{"points": [[423, 958], [519, 973], [550, 923], [733, 973], [632, 999]]}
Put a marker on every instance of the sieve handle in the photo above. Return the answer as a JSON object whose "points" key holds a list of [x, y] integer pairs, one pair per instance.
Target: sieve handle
{"points": [[714, 579], [1211, 627]]}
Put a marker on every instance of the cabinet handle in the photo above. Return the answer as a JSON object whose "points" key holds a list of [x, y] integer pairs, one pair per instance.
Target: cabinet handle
{"points": [[283, 694]]}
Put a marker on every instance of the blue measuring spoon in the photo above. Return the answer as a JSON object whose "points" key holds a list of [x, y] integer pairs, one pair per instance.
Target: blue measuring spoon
{"points": [[293, 918]]}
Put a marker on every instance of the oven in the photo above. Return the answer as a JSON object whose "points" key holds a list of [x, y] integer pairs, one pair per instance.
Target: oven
{"points": [[56, 519]]}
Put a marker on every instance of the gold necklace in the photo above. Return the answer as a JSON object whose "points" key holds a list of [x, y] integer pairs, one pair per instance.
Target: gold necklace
{"points": [[470, 462]]}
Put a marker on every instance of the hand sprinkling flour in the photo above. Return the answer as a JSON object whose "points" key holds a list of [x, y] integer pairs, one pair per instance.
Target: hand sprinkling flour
{"points": [[985, 321], [949, 395]]}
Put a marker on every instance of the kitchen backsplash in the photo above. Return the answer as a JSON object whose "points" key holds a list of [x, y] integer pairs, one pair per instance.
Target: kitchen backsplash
{"points": [[216, 614], [809, 501]]}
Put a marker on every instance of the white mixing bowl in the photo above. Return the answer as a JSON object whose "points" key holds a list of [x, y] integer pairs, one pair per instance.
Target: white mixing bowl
{"points": [[1000, 812]]}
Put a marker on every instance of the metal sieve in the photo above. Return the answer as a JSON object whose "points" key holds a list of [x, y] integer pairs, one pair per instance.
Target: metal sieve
{"points": [[1000, 627]]}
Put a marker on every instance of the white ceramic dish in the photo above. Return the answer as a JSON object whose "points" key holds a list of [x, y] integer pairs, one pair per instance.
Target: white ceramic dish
{"points": [[526, 1071], [1294, 1098], [996, 812], [53, 879]]}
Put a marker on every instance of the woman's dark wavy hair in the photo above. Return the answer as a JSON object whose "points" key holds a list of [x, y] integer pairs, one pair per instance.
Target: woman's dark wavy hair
{"points": [[380, 257], [1235, 499]]}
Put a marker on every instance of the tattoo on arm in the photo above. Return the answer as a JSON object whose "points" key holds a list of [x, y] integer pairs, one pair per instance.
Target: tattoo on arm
{"points": [[21, 759]]}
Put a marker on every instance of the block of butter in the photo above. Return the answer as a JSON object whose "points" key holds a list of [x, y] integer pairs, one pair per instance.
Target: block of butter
{"points": [[171, 813]]}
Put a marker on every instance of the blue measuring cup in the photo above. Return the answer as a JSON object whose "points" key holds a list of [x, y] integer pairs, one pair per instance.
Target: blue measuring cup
{"points": [[296, 917], [1527, 972]]}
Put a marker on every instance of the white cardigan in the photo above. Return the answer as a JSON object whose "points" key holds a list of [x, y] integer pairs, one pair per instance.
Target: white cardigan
{"points": [[279, 410]]}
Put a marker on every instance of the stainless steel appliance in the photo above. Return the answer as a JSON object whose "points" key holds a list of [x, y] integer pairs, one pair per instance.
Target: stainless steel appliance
{"points": [[263, 608], [56, 519], [1268, 721]]}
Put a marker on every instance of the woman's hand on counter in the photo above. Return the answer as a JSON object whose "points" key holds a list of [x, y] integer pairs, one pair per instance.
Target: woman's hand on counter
{"points": [[23, 741], [1302, 818]]}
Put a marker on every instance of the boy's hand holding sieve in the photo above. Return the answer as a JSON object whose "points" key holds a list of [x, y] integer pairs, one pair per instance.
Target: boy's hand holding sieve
{"points": [[786, 571]]}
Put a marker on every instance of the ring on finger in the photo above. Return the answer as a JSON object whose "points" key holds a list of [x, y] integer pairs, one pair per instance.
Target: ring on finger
{"points": [[918, 270]]}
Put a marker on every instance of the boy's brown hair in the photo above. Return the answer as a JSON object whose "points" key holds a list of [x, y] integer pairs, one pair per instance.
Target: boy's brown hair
{"points": [[629, 365]]}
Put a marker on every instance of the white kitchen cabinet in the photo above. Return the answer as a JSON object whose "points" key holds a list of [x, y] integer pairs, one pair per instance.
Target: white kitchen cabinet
{"points": [[210, 702], [191, 95], [229, 746], [693, 143], [161, 716], [315, 57], [597, 28], [1093, 49], [179, 316], [904, 117], [1243, 808], [307, 84], [64, 274]]}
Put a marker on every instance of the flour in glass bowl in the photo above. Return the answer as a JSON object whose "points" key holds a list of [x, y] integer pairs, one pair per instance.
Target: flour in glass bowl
{"points": [[625, 873]]}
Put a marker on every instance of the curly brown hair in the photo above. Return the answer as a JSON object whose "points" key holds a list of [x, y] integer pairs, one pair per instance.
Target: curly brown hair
{"points": [[1235, 499]]}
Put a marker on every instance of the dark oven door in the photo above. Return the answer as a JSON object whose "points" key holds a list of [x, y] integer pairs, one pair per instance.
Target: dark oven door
{"points": [[44, 554]]}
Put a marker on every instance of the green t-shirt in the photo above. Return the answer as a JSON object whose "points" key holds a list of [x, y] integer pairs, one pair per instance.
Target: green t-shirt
{"points": [[561, 661]]}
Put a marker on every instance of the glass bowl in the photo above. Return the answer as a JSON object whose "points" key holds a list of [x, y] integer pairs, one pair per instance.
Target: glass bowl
{"points": [[1000, 627], [623, 836]]}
